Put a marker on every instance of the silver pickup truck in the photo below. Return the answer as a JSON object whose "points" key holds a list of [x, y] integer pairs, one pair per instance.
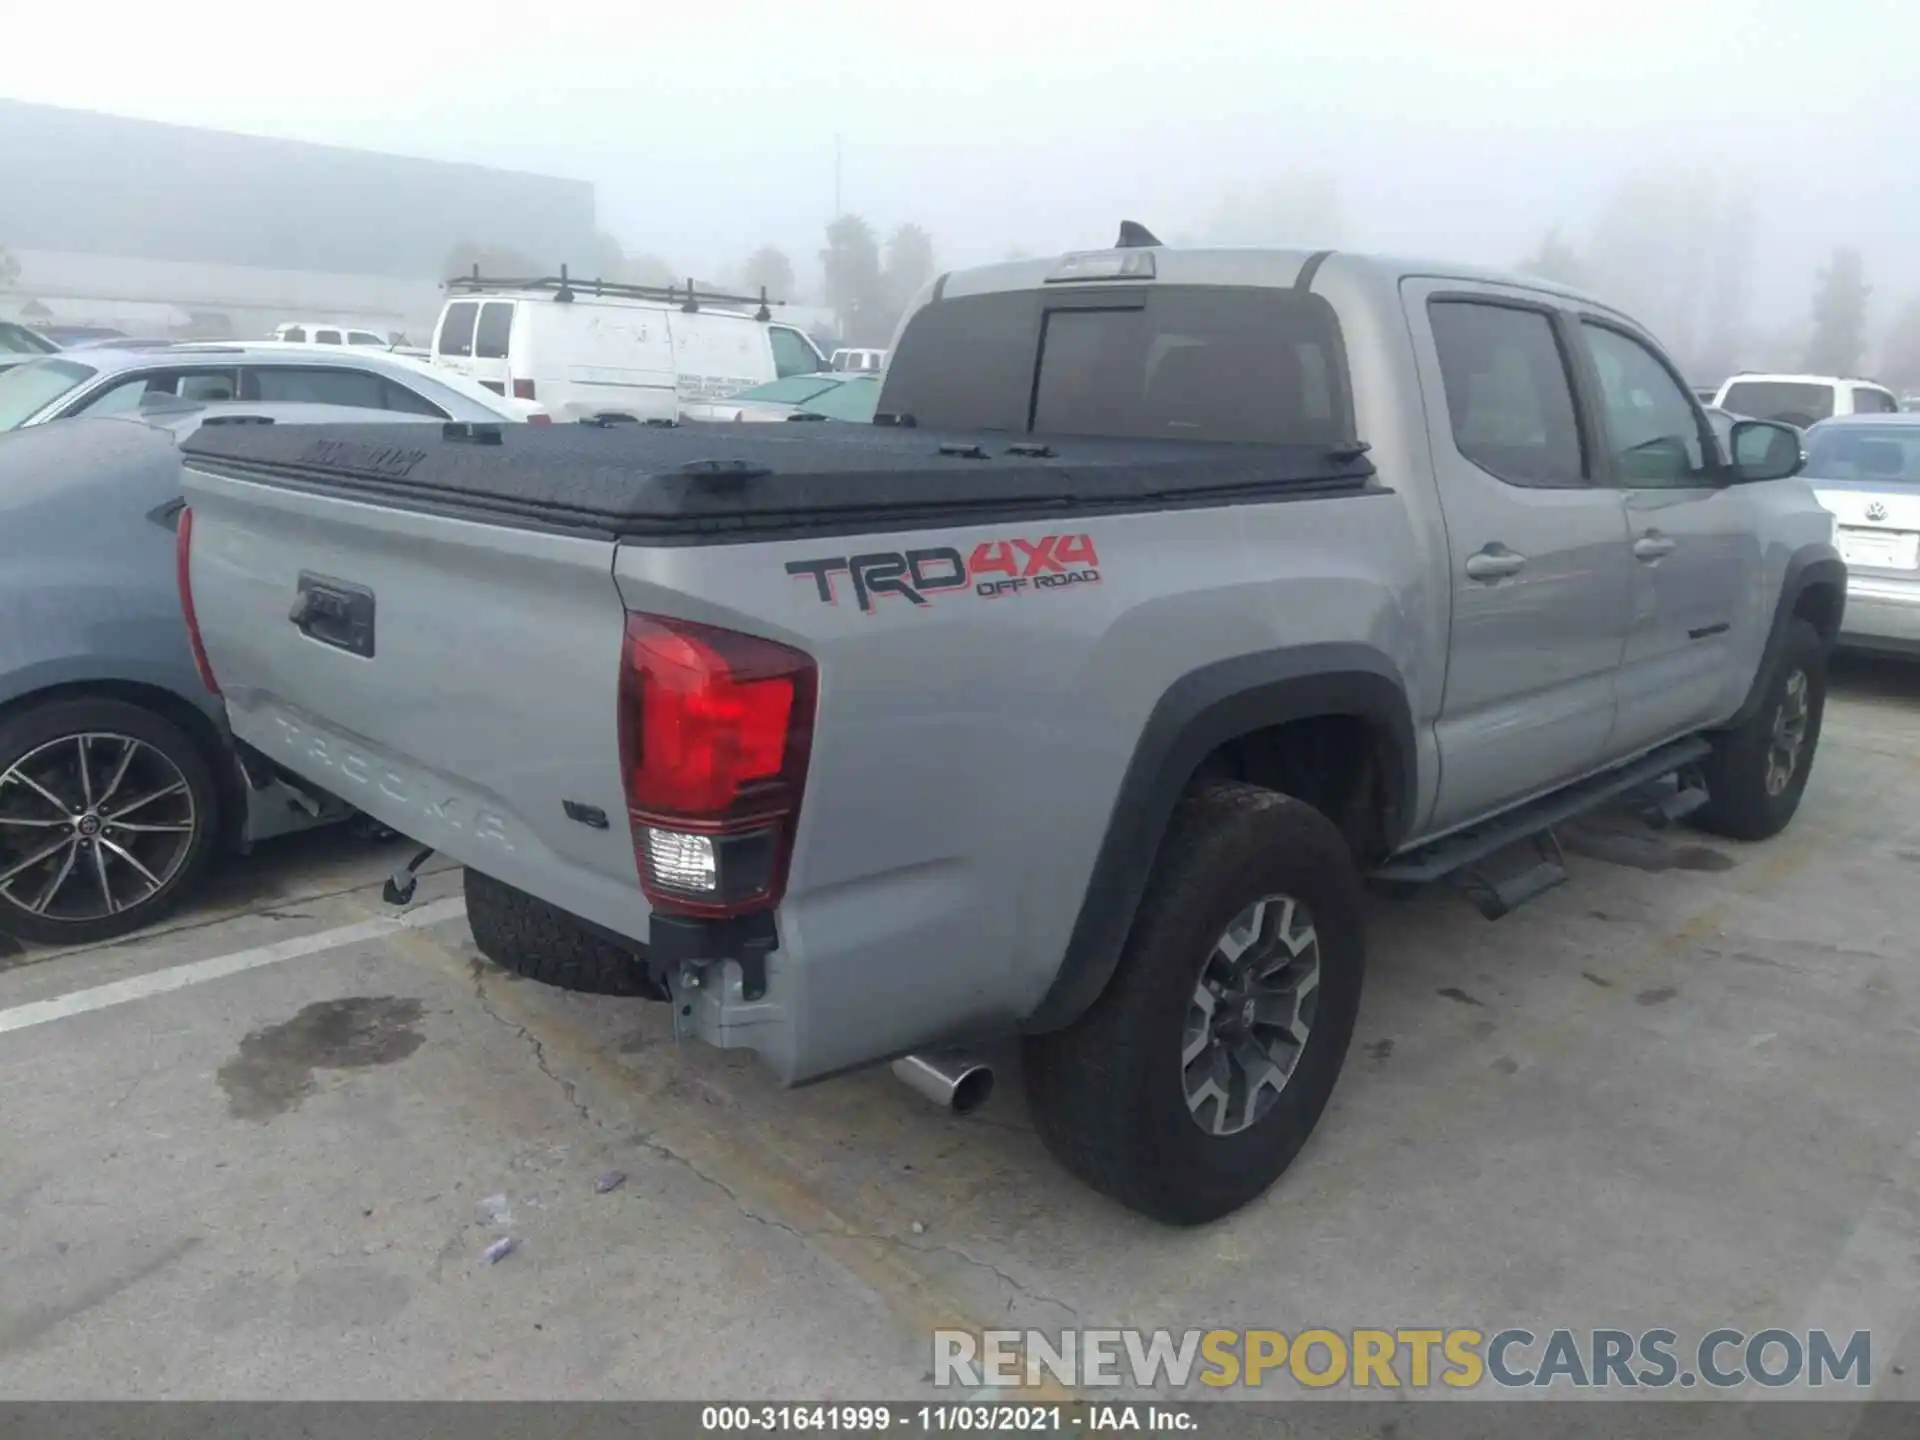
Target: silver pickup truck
{"points": [[1171, 594]]}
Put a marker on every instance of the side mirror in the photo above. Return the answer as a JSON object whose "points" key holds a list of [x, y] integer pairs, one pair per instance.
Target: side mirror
{"points": [[1765, 450]]}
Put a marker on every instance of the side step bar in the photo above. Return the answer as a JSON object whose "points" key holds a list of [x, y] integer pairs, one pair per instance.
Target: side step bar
{"points": [[1534, 821]]}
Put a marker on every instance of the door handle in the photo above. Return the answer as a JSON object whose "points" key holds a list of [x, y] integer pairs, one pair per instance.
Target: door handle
{"points": [[1494, 562], [1652, 545]]}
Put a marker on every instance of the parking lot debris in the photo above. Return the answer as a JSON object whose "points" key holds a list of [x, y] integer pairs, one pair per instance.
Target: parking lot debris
{"points": [[918, 1228], [500, 1249], [612, 1180], [494, 1210]]}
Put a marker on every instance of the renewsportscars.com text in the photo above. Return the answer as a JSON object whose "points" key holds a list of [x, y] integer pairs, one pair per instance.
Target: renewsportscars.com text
{"points": [[1404, 1359]]}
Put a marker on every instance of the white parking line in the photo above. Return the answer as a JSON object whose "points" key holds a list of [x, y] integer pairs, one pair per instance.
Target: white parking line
{"points": [[159, 982]]}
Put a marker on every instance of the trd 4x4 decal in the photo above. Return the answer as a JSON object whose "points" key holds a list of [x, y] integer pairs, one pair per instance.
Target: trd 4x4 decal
{"points": [[996, 568]]}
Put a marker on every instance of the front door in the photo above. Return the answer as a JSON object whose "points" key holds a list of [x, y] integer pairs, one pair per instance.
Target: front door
{"points": [[1540, 577], [1695, 544]]}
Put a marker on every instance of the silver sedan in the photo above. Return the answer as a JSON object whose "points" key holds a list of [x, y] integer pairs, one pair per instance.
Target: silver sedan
{"points": [[1866, 470], [108, 381]]}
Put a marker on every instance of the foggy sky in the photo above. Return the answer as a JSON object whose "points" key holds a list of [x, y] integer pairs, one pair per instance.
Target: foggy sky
{"points": [[1454, 131]]}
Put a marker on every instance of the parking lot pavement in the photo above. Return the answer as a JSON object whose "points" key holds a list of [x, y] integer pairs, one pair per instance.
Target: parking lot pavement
{"points": [[1676, 1091]]}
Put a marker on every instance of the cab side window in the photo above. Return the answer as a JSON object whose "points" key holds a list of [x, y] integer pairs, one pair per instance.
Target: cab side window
{"points": [[1653, 430], [1509, 395], [1869, 401]]}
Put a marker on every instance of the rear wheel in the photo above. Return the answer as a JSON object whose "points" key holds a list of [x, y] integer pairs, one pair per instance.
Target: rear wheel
{"points": [[530, 937], [108, 816], [1758, 771], [1198, 1074]]}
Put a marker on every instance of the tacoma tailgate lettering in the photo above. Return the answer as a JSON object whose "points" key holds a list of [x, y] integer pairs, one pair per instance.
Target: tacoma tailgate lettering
{"points": [[1027, 565]]}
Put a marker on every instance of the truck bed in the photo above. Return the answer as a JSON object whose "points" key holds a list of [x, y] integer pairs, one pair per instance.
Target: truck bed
{"points": [[711, 483]]}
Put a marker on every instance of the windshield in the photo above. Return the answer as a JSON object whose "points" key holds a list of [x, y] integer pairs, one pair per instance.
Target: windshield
{"points": [[28, 389], [1876, 454], [1797, 404], [853, 401], [18, 340], [791, 391]]}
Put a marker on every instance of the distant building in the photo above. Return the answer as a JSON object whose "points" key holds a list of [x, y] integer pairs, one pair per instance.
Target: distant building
{"points": [[151, 227]]}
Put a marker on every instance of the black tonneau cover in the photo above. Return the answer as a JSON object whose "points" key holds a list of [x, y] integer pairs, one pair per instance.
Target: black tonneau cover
{"points": [[706, 483]]}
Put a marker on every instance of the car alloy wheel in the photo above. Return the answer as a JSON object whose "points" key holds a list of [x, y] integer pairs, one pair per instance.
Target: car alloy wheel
{"points": [[92, 825], [1252, 1010], [1789, 734]]}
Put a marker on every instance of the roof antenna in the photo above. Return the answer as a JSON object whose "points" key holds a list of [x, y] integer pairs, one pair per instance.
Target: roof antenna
{"points": [[1135, 236], [763, 313], [564, 295]]}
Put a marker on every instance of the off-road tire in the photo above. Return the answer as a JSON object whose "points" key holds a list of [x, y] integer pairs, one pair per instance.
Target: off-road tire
{"points": [[1107, 1093], [532, 938], [1738, 805], [39, 725]]}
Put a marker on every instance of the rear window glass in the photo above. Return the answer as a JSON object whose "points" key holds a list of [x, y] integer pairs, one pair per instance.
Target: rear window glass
{"points": [[1784, 400], [496, 323], [27, 389], [1879, 454], [294, 333], [456, 329], [1195, 362]]}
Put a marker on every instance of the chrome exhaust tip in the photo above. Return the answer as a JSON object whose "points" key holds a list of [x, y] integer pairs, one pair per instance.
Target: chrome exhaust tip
{"points": [[951, 1079]]}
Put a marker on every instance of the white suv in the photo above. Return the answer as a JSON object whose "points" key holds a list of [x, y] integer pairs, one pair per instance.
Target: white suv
{"points": [[1804, 400]]}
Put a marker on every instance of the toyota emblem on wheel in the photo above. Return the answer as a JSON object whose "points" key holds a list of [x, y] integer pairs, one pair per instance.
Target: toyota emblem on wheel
{"points": [[1876, 511]]}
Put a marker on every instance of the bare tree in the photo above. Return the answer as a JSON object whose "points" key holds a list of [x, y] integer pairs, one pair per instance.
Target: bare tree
{"points": [[769, 266], [1301, 208], [909, 265], [1839, 316], [493, 260], [1556, 260], [1900, 357]]}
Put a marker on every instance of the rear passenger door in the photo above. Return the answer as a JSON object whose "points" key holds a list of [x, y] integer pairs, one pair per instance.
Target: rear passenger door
{"points": [[492, 337], [1694, 541], [1539, 569]]}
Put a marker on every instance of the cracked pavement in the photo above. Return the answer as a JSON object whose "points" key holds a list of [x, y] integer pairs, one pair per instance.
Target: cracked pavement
{"points": [[1663, 1094]]}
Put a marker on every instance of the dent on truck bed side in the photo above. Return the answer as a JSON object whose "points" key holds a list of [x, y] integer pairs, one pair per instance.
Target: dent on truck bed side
{"points": [[1811, 568], [1203, 710]]}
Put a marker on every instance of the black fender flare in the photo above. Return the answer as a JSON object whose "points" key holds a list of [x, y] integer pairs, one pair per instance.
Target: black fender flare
{"points": [[1815, 565], [1200, 712]]}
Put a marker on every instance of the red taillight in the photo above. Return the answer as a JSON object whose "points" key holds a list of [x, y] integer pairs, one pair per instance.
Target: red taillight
{"points": [[715, 730], [541, 419], [523, 390], [183, 573]]}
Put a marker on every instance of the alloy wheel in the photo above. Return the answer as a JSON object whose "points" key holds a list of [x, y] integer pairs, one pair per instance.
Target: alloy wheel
{"points": [[92, 825], [1252, 1010], [1789, 734]]}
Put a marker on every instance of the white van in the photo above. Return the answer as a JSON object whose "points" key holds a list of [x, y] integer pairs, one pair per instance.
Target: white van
{"points": [[1804, 400], [583, 348], [324, 332]]}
